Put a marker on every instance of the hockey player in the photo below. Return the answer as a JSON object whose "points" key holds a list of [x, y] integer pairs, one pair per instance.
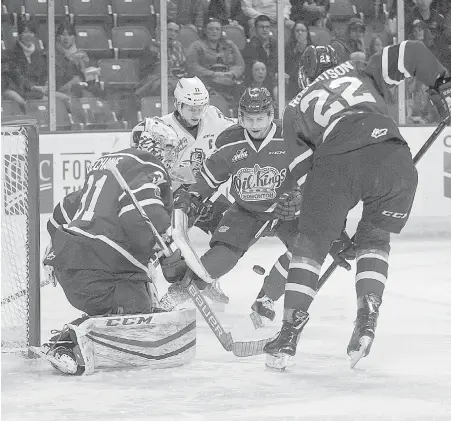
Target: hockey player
{"points": [[359, 155], [197, 124], [252, 154], [100, 245]]}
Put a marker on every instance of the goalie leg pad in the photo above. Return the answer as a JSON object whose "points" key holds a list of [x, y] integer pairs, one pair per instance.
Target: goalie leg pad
{"points": [[155, 340]]}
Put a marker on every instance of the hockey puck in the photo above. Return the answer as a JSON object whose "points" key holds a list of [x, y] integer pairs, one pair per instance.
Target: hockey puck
{"points": [[258, 269]]}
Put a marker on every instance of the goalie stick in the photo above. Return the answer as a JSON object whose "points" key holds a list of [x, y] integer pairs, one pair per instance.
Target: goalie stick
{"points": [[225, 338], [432, 138]]}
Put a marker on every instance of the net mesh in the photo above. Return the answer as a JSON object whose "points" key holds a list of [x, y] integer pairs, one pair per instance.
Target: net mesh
{"points": [[15, 242]]}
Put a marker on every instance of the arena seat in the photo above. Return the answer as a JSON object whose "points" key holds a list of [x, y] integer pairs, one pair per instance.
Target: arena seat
{"points": [[341, 10], [9, 35], [38, 109], [187, 36], [82, 11], [131, 11], [11, 108], [94, 114], [119, 73], [129, 41], [94, 40], [11, 10], [236, 34], [38, 9], [151, 106]]}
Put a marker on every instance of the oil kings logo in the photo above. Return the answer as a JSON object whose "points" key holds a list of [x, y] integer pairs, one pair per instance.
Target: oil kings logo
{"points": [[196, 159], [257, 183]]}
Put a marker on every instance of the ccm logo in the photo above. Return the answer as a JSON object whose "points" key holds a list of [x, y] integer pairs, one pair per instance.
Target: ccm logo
{"points": [[395, 214]]}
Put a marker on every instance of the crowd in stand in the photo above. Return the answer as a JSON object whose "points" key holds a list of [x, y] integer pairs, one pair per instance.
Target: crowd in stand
{"points": [[229, 44]]}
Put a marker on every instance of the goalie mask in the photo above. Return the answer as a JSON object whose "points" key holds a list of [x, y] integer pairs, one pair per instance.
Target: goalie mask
{"points": [[191, 100], [314, 61], [156, 137], [256, 112]]}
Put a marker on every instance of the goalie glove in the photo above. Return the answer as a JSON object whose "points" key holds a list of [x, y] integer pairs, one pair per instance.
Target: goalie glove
{"points": [[440, 95], [288, 205], [342, 250]]}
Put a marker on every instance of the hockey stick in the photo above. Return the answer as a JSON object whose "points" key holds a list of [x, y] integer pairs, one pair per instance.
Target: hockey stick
{"points": [[224, 338], [432, 138]]}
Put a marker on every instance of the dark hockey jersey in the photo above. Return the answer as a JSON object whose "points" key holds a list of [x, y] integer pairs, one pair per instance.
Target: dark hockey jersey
{"points": [[63, 212], [106, 232], [345, 108], [258, 176]]}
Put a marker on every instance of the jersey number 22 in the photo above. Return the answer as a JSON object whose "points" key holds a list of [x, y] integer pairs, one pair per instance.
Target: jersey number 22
{"points": [[323, 113]]}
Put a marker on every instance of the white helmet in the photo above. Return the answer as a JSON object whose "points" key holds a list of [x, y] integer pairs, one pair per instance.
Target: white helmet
{"points": [[191, 100], [191, 91], [156, 137]]}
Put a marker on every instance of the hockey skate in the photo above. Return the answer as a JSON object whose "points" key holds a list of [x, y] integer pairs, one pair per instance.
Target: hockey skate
{"points": [[62, 358], [262, 310], [284, 344], [365, 326]]}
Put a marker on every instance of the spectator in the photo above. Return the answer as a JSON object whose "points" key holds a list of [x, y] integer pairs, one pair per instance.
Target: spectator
{"points": [[216, 61], [228, 12], [262, 47], [14, 86], [150, 64], [72, 65], [257, 77], [376, 45], [254, 8], [312, 12], [352, 41], [186, 12], [299, 39], [31, 63]]}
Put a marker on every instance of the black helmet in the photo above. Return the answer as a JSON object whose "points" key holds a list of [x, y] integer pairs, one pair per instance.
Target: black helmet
{"points": [[256, 100], [314, 61]]}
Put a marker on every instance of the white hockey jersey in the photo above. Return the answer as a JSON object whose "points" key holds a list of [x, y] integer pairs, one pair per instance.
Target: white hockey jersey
{"points": [[194, 150]]}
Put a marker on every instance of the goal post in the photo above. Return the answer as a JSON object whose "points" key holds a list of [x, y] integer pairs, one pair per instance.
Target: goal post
{"points": [[20, 232]]}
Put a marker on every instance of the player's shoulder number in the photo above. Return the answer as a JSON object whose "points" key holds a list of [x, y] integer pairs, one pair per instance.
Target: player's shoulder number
{"points": [[322, 112]]}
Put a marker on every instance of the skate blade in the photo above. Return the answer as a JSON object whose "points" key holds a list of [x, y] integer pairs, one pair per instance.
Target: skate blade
{"points": [[277, 362], [356, 356], [57, 363], [257, 320]]}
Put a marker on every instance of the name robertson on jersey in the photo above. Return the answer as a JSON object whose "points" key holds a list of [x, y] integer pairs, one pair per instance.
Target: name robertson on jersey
{"points": [[257, 183]]}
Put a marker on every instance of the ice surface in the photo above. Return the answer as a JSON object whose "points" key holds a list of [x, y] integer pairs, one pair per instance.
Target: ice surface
{"points": [[406, 377]]}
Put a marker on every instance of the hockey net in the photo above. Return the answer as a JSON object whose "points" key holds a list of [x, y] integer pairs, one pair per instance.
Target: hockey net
{"points": [[20, 320]]}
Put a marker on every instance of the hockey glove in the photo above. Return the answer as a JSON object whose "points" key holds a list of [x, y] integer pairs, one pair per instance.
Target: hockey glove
{"points": [[288, 205], [173, 267], [343, 250], [189, 202], [440, 96]]}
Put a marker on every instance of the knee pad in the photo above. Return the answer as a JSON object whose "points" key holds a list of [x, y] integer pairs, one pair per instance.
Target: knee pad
{"points": [[220, 259], [370, 237]]}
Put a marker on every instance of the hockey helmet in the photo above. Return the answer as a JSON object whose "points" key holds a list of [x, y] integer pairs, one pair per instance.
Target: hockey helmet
{"points": [[156, 137], [192, 93], [256, 101], [314, 61]]}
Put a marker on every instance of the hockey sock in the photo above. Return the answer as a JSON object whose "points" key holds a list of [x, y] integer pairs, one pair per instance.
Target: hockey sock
{"points": [[274, 284]]}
